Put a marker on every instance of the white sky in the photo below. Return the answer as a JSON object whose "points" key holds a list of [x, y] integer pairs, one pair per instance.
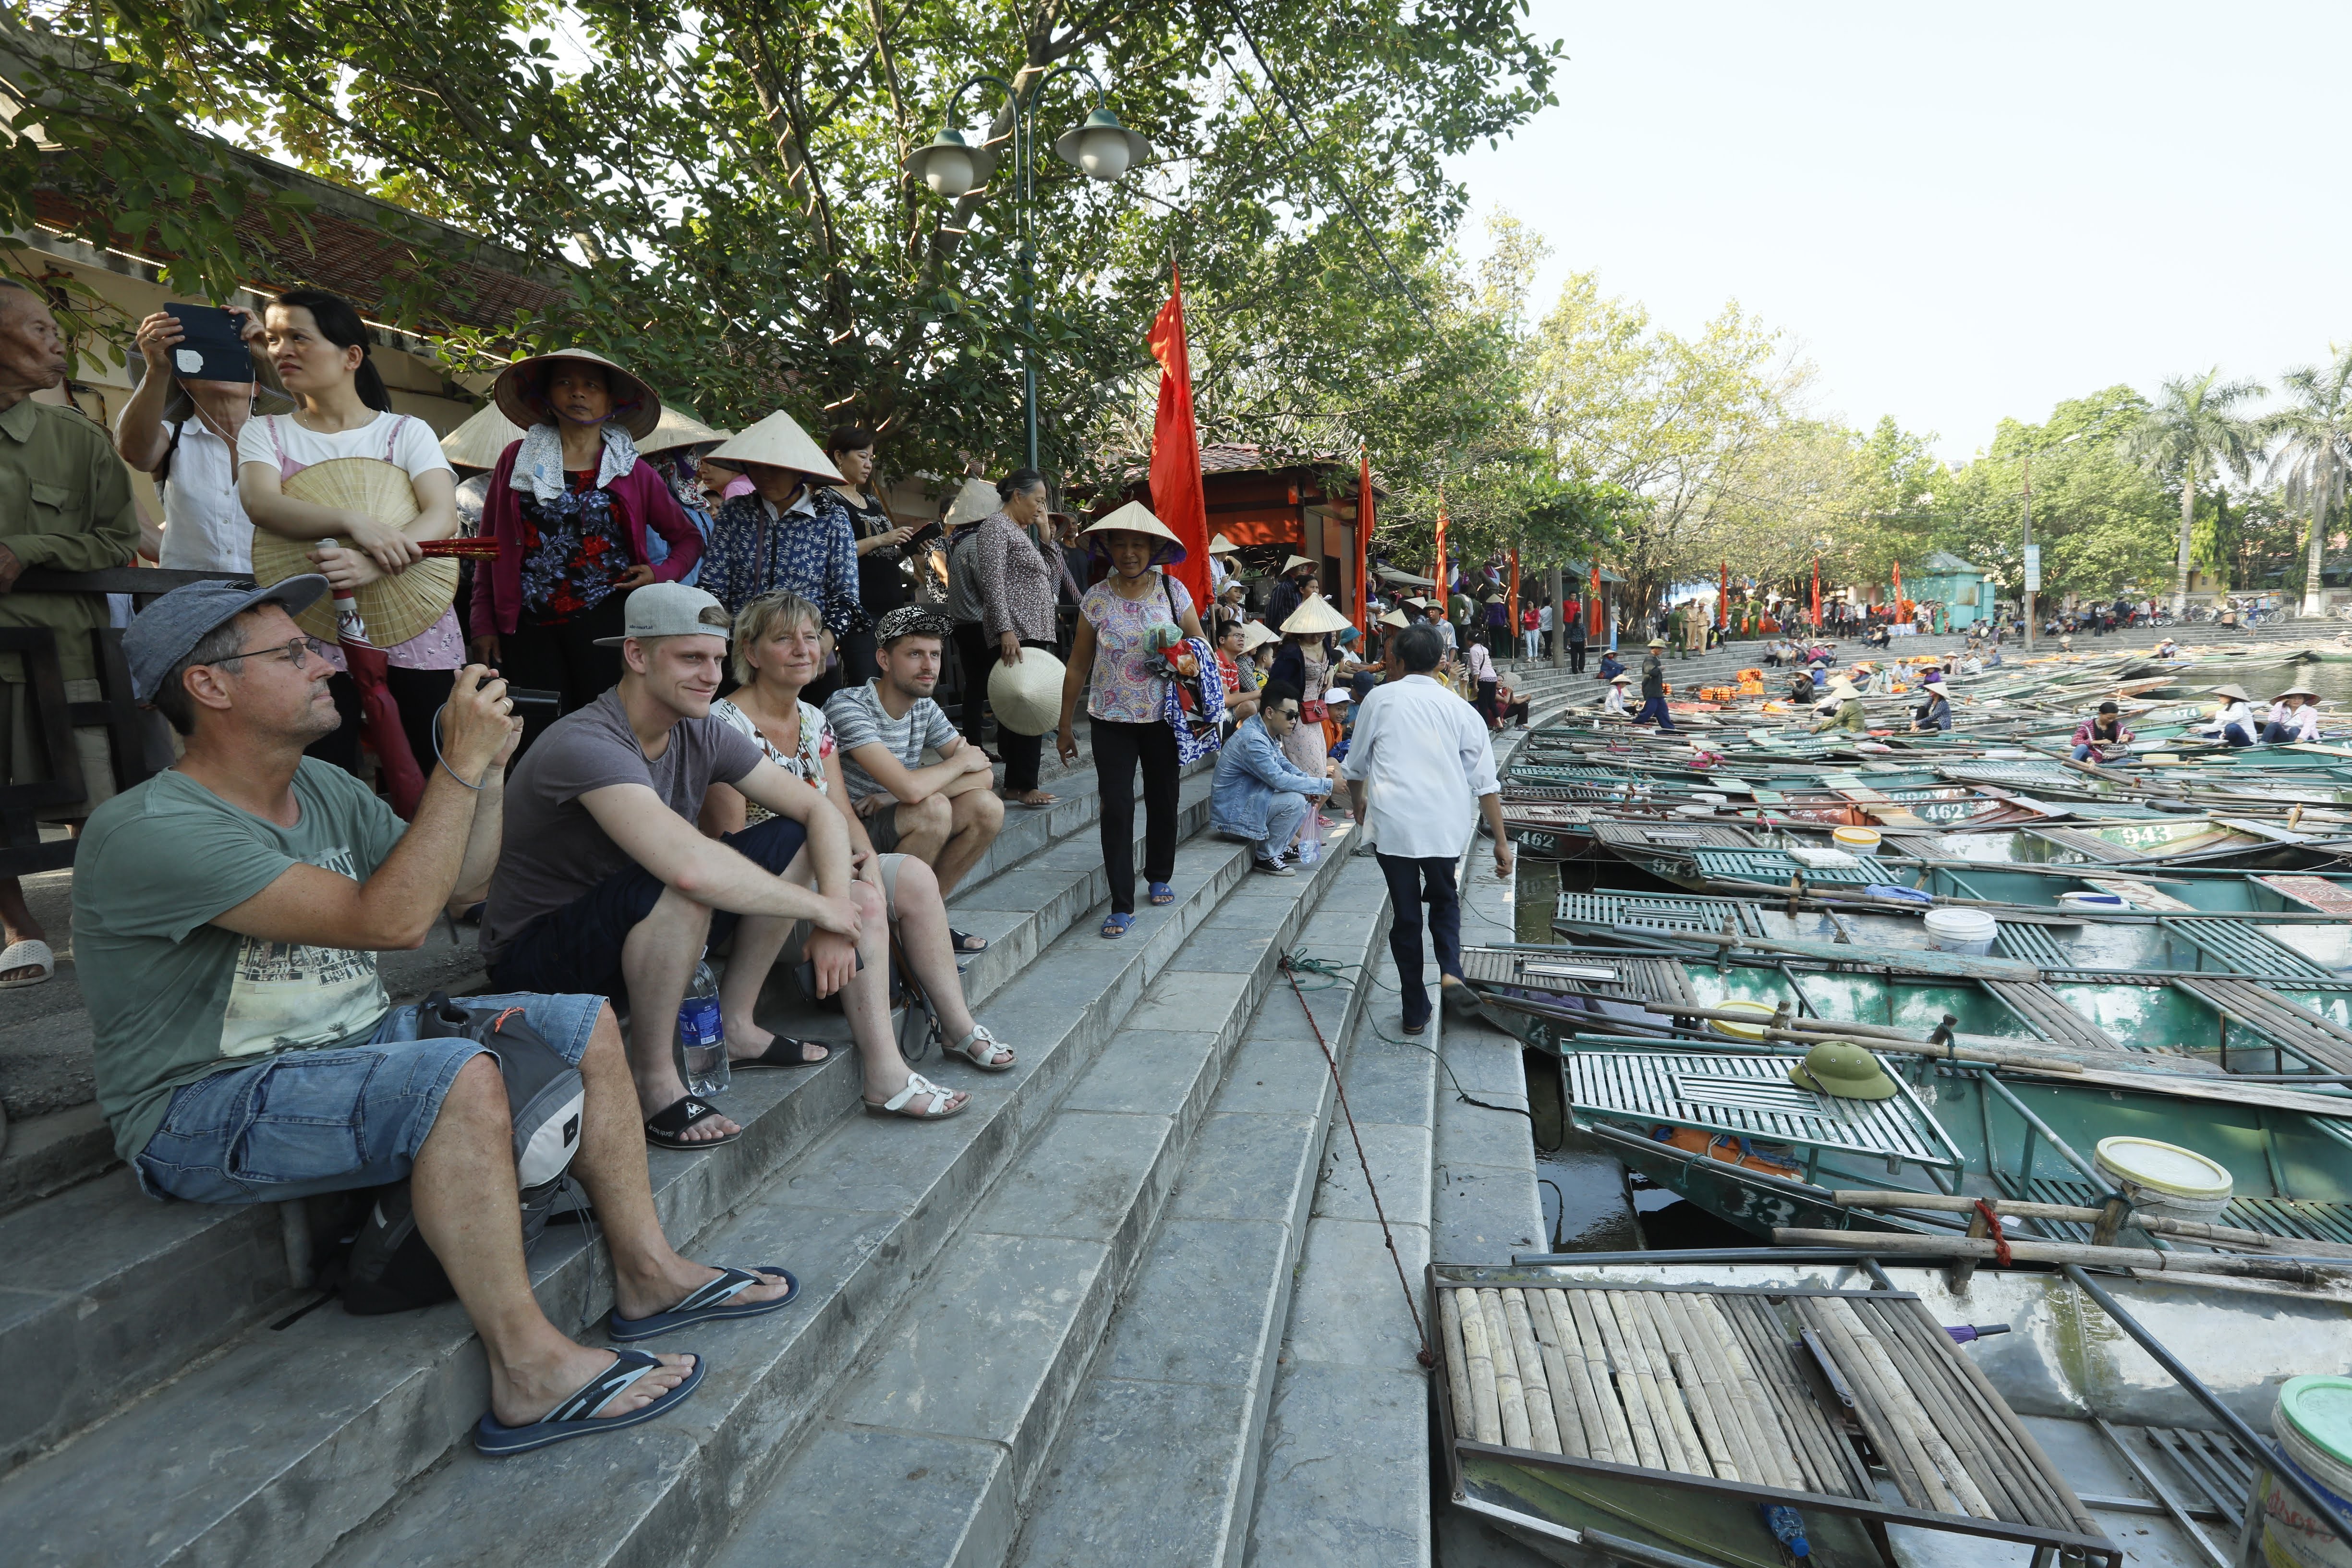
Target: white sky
{"points": [[1959, 211]]}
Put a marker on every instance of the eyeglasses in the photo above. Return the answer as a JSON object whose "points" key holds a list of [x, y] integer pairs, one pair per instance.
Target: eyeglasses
{"points": [[1287, 712], [293, 653]]}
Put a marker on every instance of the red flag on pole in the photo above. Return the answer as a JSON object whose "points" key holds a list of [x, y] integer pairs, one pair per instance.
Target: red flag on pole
{"points": [[1514, 628], [1817, 593], [1723, 599], [1364, 540], [1177, 498]]}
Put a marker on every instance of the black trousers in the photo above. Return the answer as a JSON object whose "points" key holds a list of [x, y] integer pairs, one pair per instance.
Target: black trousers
{"points": [[1411, 884], [1119, 748], [975, 658], [1576, 658], [1021, 753], [563, 659], [858, 662]]}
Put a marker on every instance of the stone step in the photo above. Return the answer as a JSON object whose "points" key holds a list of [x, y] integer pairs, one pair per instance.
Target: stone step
{"points": [[876, 1216], [101, 1314], [927, 1451], [1185, 1373]]}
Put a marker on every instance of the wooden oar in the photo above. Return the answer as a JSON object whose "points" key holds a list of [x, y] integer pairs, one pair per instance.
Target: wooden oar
{"points": [[1907, 1245], [1875, 1036], [2160, 1225]]}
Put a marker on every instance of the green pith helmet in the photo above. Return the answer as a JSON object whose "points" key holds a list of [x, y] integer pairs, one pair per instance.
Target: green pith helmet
{"points": [[1844, 1070]]}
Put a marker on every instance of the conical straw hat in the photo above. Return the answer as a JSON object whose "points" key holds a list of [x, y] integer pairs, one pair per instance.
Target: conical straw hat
{"points": [[1136, 518], [677, 428], [780, 443], [1221, 545], [395, 608], [1293, 563], [2236, 693], [1028, 696], [1314, 615], [1256, 635], [636, 407], [976, 500], [481, 440], [1394, 618]]}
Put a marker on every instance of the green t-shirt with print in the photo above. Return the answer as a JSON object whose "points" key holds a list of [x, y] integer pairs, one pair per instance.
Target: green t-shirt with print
{"points": [[172, 998]]}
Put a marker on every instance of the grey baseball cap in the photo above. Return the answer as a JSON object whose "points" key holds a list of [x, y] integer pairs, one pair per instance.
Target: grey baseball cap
{"points": [[160, 636], [671, 610]]}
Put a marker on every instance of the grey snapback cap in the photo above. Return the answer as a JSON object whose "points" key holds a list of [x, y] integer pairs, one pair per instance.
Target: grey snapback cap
{"points": [[162, 635]]}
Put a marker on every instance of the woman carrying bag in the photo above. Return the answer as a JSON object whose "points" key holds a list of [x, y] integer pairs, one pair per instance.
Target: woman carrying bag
{"points": [[575, 510], [1125, 623]]}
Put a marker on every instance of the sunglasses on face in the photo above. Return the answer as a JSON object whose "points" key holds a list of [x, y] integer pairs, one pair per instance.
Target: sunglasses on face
{"points": [[1287, 712]]}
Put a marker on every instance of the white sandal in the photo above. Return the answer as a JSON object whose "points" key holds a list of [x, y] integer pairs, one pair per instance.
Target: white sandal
{"points": [[32, 951], [979, 1049], [918, 1084]]}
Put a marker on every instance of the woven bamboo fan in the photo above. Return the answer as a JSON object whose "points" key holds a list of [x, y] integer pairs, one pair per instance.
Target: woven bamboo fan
{"points": [[395, 608]]}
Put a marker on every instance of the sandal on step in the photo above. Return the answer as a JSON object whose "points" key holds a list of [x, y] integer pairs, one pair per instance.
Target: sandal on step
{"points": [[666, 1128], [784, 1051], [918, 1084], [577, 1418], [1115, 924], [30, 953], [981, 1049], [965, 943], [1161, 893], [711, 1302]]}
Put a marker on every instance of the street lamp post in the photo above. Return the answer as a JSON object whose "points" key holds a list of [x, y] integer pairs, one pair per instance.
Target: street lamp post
{"points": [[1099, 147], [2033, 567]]}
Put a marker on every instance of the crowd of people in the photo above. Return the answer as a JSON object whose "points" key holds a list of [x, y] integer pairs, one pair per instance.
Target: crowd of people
{"points": [[688, 704]]}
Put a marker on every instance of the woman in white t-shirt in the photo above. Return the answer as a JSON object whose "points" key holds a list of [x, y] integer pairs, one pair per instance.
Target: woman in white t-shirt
{"points": [[778, 649], [320, 348]]}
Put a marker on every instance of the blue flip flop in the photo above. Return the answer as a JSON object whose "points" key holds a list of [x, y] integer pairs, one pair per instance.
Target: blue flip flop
{"points": [[711, 1302], [577, 1417], [1161, 893], [1116, 924]]}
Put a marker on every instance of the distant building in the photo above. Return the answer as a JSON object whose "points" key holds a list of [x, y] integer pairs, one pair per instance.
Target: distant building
{"points": [[1943, 578]]}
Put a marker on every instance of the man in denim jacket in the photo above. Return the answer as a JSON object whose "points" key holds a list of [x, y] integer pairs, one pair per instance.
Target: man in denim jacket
{"points": [[1257, 795]]}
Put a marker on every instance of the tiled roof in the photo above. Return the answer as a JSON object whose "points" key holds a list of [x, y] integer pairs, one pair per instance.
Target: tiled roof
{"points": [[1239, 458]]}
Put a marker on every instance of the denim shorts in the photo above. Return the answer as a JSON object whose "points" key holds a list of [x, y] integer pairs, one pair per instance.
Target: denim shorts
{"points": [[578, 947], [330, 1120]]}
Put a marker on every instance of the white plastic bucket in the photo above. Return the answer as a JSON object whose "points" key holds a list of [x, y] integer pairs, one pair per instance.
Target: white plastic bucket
{"points": [[2166, 1179], [1964, 931], [1861, 840], [2314, 1439]]}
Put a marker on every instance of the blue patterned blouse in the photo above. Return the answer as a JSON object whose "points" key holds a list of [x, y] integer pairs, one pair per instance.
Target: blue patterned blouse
{"points": [[812, 552]]}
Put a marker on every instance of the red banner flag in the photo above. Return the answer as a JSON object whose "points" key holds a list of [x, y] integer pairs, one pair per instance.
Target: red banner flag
{"points": [[1177, 498], [1817, 594], [1723, 600], [1514, 628], [1364, 540]]}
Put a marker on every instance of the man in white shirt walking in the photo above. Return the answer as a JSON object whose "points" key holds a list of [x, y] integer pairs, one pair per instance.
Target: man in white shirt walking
{"points": [[1424, 754]]}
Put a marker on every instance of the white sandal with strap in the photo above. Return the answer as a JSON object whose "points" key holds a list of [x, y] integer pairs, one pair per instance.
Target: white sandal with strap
{"points": [[30, 953], [981, 1050], [941, 1108]]}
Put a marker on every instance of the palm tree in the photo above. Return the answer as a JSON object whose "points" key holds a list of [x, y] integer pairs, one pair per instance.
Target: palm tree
{"points": [[2189, 425], [2316, 455]]}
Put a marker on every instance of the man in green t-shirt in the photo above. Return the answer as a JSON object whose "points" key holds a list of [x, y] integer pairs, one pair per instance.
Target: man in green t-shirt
{"points": [[226, 917]]}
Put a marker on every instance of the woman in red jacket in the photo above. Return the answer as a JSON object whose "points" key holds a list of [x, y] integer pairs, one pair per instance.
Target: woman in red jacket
{"points": [[571, 505]]}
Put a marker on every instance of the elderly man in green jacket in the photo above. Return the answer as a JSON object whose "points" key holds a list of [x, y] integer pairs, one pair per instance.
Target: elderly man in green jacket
{"points": [[65, 502]]}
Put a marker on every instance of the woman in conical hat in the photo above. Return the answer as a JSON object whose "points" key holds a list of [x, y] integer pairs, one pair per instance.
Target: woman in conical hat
{"points": [[779, 537], [1305, 661], [319, 347], [580, 518], [1126, 621]]}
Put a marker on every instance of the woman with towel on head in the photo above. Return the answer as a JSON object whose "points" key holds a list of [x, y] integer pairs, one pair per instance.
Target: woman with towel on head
{"points": [[1125, 624], [575, 510]]}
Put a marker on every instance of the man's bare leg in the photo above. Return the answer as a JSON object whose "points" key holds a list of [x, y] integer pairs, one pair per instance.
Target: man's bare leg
{"points": [[17, 920], [657, 962], [923, 827], [463, 1185], [975, 817]]}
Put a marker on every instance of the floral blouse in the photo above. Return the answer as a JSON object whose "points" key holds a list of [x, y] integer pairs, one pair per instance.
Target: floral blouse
{"points": [[574, 552], [809, 549], [1128, 684], [807, 764]]}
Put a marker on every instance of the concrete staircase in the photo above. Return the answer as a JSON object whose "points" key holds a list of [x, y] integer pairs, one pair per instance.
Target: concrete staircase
{"points": [[172, 1399]]}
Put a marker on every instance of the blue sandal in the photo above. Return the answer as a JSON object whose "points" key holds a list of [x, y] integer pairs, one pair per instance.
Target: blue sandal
{"points": [[1161, 893], [1116, 923], [711, 1302], [577, 1417]]}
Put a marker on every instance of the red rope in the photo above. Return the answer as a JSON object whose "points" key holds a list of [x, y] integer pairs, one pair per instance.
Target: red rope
{"points": [[1999, 1243], [1420, 1332]]}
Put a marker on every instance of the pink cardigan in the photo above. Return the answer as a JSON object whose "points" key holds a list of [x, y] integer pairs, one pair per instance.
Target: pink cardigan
{"points": [[639, 497]]}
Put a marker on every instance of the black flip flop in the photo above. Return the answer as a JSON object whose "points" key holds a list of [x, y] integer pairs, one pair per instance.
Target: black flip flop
{"points": [[795, 1054], [962, 941], [666, 1128]]}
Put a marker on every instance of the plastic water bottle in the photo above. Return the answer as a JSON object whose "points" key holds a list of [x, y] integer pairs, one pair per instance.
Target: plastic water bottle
{"points": [[701, 1043], [1311, 839], [1787, 1527]]}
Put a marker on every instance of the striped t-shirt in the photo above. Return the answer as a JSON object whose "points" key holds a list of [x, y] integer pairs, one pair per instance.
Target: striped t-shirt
{"points": [[858, 719]]}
